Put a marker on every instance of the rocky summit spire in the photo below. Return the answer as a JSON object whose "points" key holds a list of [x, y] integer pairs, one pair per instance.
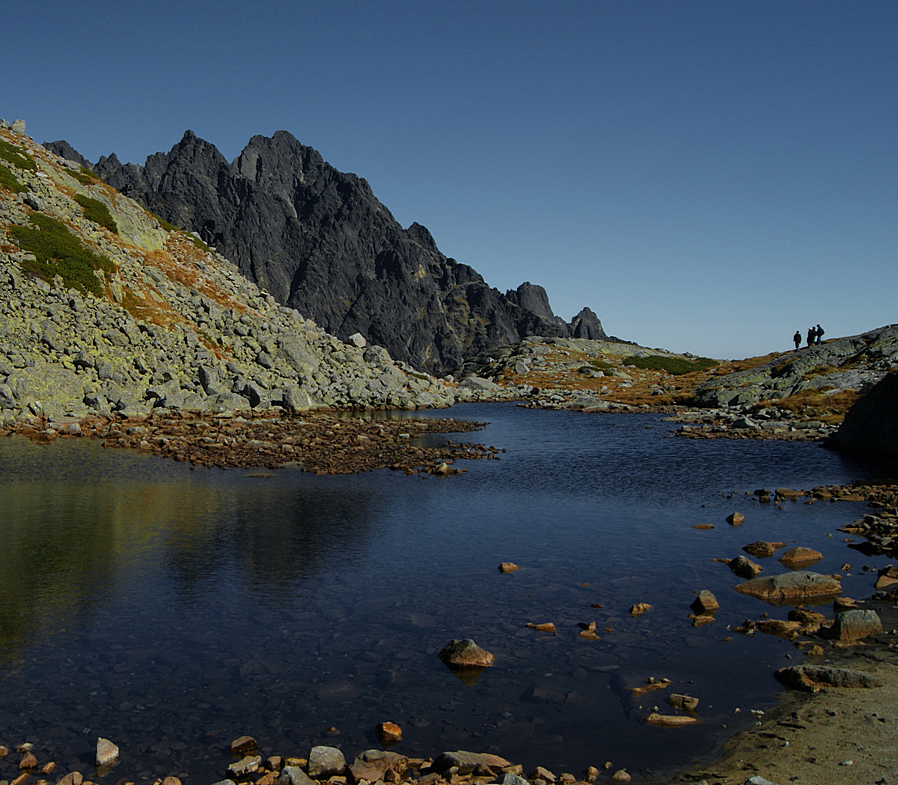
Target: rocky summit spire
{"points": [[319, 241]]}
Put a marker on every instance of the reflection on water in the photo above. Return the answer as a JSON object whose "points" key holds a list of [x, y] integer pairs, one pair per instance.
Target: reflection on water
{"points": [[174, 610]]}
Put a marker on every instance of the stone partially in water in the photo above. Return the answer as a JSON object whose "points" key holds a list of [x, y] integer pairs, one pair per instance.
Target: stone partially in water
{"points": [[671, 720], [682, 702], [389, 733], [792, 587], [107, 752], [813, 678], [705, 604], [799, 556], [736, 519], [243, 746], [465, 654], [762, 549], [744, 567], [508, 566]]}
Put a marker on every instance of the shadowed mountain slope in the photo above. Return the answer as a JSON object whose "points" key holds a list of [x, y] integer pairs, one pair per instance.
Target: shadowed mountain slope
{"points": [[319, 241]]}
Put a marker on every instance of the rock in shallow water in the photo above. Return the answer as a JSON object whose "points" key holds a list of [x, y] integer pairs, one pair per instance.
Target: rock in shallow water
{"points": [[465, 654], [791, 587]]}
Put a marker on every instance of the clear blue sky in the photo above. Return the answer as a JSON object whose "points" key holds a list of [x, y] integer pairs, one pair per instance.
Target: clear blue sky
{"points": [[706, 176]]}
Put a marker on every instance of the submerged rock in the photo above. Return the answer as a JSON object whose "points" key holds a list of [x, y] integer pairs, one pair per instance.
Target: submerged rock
{"points": [[468, 761]]}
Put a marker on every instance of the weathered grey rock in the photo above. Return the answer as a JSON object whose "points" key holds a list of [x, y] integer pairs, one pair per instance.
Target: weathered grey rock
{"points": [[18, 127], [856, 624], [813, 678], [468, 761], [512, 779], [792, 587], [293, 775], [326, 762], [481, 385]]}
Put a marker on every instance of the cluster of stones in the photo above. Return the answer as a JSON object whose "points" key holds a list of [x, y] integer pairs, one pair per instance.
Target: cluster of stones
{"points": [[329, 765], [32, 770], [748, 422], [880, 530], [316, 442], [211, 340]]}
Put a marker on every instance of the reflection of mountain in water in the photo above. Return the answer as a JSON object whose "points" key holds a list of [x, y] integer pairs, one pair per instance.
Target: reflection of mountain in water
{"points": [[274, 539], [78, 529]]}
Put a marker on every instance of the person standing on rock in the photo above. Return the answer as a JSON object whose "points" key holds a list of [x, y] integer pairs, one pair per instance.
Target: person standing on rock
{"points": [[812, 336], [797, 338], [819, 333]]}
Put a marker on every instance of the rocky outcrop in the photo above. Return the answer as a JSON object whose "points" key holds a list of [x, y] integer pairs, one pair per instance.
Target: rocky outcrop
{"points": [[158, 322], [871, 425], [855, 363], [320, 242]]}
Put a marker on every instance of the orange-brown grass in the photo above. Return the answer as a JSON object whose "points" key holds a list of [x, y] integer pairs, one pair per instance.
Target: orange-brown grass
{"points": [[816, 405]]}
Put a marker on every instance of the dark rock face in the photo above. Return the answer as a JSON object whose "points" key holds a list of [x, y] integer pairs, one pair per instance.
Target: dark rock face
{"points": [[64, 150], [871, 425], [320, 242]]}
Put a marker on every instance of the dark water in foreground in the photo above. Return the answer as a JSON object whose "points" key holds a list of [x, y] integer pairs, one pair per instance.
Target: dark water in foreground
{"points": [[173, 610]]}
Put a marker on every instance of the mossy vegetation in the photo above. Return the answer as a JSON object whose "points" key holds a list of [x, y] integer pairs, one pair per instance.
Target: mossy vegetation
{"points": [[59, 252], [162, 222], [85, 176], [9, 182], [18, 158], [595, 365], [96, 211], [674, 365]]}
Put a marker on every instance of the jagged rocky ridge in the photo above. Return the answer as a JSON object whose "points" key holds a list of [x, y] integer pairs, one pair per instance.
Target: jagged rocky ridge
{"points": [[174, 326], [320, 242]]}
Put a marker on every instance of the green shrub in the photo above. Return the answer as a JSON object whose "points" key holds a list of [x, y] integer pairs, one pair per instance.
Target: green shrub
{"points": [[85, 176], [9, 182], [674, 365], [162, 222], [18, 158], [96, 211], [59, 252]]}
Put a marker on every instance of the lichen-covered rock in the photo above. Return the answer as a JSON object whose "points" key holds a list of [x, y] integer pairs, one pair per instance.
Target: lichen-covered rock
{"points": [[792, 587], [813, 678], [465, 654]]}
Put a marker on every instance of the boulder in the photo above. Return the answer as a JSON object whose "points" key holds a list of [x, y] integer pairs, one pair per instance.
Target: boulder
{"points": [[465, 654], [293, 775], [813, 678], [853, 625], [792, 587], [243, 746], [107, 752], [468, 761], [682, 702], [800, 556], [326, 762], [371, 765], [736, 519], [706, 603], [744, 567], [762, 549]]}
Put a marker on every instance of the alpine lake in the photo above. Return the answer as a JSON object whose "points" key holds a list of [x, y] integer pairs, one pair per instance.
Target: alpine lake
{"points": [[172, 610]]}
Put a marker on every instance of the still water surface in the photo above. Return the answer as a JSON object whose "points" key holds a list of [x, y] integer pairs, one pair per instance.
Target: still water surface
{"points": [[173, 610]]}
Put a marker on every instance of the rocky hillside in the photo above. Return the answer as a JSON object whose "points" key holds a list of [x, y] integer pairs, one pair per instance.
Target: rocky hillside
{"points": [[849, 365], [320, 242], [106, 308]]}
